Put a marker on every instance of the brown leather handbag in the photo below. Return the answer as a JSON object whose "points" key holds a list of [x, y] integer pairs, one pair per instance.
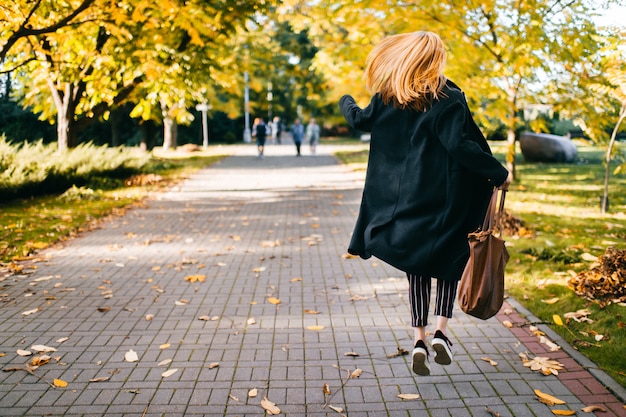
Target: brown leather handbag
{"points": [[481, 290]]}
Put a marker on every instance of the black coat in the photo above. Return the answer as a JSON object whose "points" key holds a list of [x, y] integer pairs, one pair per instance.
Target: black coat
{"points": [[428, 182]]}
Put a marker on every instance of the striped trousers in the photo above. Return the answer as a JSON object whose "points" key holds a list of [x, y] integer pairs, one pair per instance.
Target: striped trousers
{"points": [[419, 298]]}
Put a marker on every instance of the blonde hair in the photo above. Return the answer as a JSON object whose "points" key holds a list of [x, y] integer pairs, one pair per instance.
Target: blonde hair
{"points": [[407, 69]]}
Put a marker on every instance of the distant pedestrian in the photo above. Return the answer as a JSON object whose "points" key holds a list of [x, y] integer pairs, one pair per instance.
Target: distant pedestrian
{"points": [[313, 135], [429, 178], [277, 130], [259, 131], [297, 131]]}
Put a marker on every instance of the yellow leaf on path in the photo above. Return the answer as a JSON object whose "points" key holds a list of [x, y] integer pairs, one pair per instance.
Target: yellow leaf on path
{"points": [[270, 407], [23, 352], [326, 389], [169, 373], [181, 302], [550, 300], [356, 373], [557, 320], [507, 323], [63, 339], [273, 300], [195, 278], [42, 348], [409, 396], [491, 361], [307, 311], [164, 362], [100, 379], [354, 354], [315, 328], [165, 346], [550, 400], [59, 383], [149, 317], [214, 365], [336, 409], [564, 412], [253, 393], [251, 321], [592, 408], [295, 279], [131, 356]]}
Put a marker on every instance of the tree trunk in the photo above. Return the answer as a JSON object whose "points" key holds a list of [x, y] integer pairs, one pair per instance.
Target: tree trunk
{"points": [[148, 133], [115, 118], [170, 133]]}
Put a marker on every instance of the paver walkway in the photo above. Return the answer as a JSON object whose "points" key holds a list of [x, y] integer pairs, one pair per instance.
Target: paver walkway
{"points": [[282, 314]]}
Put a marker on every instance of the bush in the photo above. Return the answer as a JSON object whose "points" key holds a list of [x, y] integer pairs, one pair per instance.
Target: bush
{"points": [[31, 169]]}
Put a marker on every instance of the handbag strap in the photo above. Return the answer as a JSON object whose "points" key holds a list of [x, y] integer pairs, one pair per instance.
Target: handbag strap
{"points": [[491, 216]]}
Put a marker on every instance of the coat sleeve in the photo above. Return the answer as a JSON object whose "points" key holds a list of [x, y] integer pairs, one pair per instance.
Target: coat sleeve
{"points": [[459, 134], [361, 119]]}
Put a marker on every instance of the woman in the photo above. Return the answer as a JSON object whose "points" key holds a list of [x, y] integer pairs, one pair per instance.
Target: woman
{"points": [[259, 131], [429, 178]]}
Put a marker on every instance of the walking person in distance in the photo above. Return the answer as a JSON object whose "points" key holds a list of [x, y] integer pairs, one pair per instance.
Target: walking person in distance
{"points": [[429, 178]]}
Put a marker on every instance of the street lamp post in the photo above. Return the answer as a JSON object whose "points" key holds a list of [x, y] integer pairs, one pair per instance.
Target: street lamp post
{"points": [[203, 107], [247, 134]]}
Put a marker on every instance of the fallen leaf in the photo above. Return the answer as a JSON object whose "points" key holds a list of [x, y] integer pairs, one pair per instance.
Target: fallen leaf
{"points": [[233, 397], [204, 318], [59, 383], [29, 312], [39, 360], [326, 389], [165, 346], [270, 407], [253, 393], [336, 409], [409, 396], [195, 278], [315, 328], [169, 373], [547, 398], [564, 412], [131, 356], [251, 321], [181, 302], [588, 257], [544, 365], [356, 373], [307, 311], [42, 348], [164, 362], [507, 323], [273, 300], [259, 269], [592, 408], [550, 300], [63, 339], [298, 279], [22, 352], [149, 317], [557, 320], [104, 309], [399, 352], [493, 413], [351, 354], [491, 361], [100, 379], [214, 365]]}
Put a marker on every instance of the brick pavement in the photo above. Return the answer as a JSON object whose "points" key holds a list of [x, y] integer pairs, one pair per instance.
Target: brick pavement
{"points": [[259, 231]]}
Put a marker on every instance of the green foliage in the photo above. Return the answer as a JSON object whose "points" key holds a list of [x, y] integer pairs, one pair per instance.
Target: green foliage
{"points": [[29, 169]]}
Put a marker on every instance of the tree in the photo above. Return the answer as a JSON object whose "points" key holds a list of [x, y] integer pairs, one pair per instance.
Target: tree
{"points": [[21, 19], [157, 54], [505, 54]]}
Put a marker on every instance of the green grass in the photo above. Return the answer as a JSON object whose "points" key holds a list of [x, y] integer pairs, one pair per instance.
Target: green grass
{"points": [[29, 225], [559, 204]]}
